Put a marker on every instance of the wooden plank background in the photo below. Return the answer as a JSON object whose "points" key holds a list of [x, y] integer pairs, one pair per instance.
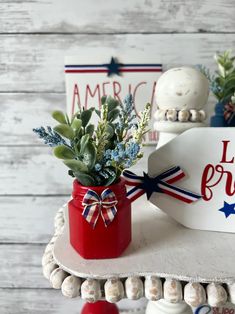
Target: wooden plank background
{"points": [[34, 38]]}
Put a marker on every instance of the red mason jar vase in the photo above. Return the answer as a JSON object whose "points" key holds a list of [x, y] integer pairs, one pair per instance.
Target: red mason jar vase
{"points": [[101, 241]]}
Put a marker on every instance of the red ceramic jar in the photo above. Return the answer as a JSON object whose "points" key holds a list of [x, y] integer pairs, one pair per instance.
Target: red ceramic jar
{"points": [[101, 241]]}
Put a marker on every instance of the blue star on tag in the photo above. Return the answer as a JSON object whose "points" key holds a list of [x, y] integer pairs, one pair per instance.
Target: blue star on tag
{"points": [[228, 209], [113, 67]]}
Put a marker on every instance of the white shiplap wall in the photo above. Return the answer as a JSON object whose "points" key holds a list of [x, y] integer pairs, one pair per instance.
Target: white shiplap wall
{"points": [[34, 38]]}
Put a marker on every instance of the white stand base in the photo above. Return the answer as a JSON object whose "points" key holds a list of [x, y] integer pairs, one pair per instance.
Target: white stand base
{"points": [[169, 130], [164, 307]]}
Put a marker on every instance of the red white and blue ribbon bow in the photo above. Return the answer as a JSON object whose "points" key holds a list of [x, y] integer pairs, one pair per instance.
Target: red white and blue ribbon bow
{"points": [[161, 184], [229, 112], [95, 205]]}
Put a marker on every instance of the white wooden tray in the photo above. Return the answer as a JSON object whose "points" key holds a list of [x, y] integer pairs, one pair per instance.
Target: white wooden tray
{"points": [[160, 247], [179, 263]]}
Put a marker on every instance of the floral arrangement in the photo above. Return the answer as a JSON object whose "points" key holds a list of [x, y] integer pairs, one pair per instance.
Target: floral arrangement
{"points": [[222, 82], [222, 85], [97, 155]]}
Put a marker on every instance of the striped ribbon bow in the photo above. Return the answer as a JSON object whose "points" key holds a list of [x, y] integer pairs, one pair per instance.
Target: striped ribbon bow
{"points": [[161, 184], [95, 205], [229, 112]]}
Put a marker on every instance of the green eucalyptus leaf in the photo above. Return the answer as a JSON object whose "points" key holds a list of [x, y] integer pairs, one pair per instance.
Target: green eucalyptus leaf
{"points": [[65, 130], [59, 116], [70, 173], [63, 152], [76, 124], [110, 130], [85, 117], [85, 179], [79, 134], [113, 114], [228, 92], [72, 118], [98, 179], [90, 129], [83, 142], [67, 118], [112, 103], [89, 155], [103, 100], [76, 165], [78, 115], [230, 81], [110, 180]]}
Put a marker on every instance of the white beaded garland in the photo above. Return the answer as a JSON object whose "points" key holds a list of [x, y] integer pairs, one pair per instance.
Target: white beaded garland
{"points": [[183, 115], [171, 115], [59, 218], [194, 294], [48, 269], [114, 290], [59, 223], [172, 290], [202, 115], [134, 288], [231, 291], [153, 288], [53, 239], [57, 277], [47, 258], [90, 290], [160, 115], [59, 229], [71, 287], [59, 226], [216, 294], [49, 247], [194, 115]]}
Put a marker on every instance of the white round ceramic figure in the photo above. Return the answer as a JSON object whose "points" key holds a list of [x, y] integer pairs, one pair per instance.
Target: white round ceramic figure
{"points": [[182, 88], [181, 96]]}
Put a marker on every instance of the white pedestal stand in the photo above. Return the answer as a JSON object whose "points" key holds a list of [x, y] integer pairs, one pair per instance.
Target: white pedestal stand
{"points": [[165, 307], [169, 130]]}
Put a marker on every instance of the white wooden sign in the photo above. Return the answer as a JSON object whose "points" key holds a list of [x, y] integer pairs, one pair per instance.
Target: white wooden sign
{"points": [[207, 156], [87, 80]]}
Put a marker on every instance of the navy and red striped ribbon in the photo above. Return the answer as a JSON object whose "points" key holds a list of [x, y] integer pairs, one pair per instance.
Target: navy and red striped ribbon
{"points": [[161, 184], [103, 68], [229, 112]]}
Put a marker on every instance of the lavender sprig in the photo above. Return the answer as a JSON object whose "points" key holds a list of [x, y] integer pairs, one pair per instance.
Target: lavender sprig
{"points": [[49, 136], [126, 118], [213, 83], [123, 156]]}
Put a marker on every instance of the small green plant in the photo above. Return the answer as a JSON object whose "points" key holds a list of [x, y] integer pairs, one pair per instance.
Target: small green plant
{"points": [[222, 82], [98, 155]]}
